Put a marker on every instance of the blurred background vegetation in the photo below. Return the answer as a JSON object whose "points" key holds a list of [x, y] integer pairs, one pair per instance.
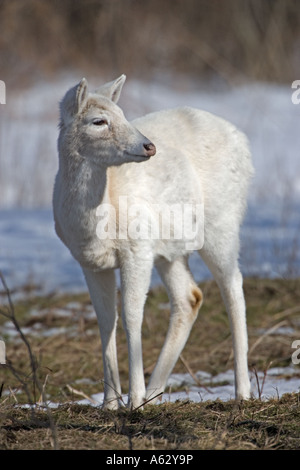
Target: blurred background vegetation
{"points": [[237, 40]]}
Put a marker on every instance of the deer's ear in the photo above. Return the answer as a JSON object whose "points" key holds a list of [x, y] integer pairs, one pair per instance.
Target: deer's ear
{"points": [[73, 101], [112, 90]]}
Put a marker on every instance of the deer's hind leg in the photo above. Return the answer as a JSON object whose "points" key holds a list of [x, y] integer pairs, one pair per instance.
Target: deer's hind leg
{"points": [[221, 257], [185, 299]]}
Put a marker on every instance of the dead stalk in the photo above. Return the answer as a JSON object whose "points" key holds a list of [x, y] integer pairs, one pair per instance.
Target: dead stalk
{"points": [[10, 314]]}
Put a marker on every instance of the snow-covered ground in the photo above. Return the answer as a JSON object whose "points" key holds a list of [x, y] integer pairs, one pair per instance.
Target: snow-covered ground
{"points": [[30, 251], [274, 384], [29, 248]]}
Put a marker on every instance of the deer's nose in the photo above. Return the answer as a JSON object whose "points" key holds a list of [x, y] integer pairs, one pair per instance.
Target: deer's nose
{"points": [[150, 149]]}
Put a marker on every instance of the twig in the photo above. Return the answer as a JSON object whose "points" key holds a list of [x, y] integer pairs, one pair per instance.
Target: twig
{"points": [[82, 394], [261, 387], [41, 400], [192, 374], [119, 396], [148, 401], [257, 382], [12, 317], [33, 363], [287, 312], [265, 375], [268, 332]]}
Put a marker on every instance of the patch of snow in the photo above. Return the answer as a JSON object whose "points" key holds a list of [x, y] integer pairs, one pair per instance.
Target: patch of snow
{"points": [[275, 385]]}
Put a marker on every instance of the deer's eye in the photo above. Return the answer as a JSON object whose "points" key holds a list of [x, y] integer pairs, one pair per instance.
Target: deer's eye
{"points": [[99, 122]]}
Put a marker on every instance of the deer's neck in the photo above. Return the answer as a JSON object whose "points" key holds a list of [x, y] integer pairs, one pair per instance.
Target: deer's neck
{"points": [[85, 186], [79, 191]]}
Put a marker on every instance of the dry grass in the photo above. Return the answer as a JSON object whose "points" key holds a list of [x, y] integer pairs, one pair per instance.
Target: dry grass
{"points": [[210, 425], [68, 366]]}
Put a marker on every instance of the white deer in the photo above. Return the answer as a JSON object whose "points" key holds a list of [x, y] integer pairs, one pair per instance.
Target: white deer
{"points": [[102, 160]]}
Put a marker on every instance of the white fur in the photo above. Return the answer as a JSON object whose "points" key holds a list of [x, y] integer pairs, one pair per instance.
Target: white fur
{"points": [[198, 157]]}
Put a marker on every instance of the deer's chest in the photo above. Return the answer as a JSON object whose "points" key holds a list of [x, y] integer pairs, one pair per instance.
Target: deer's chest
{"points": [[92, 248]]}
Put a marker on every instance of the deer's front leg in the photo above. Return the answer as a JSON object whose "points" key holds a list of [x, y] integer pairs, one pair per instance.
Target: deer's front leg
{"points": [[102, 290], [135, 281]]}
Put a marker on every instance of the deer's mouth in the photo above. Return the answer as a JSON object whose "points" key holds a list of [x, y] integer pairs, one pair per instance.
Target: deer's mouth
{"points": [[137, 158], [149, 151]]}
